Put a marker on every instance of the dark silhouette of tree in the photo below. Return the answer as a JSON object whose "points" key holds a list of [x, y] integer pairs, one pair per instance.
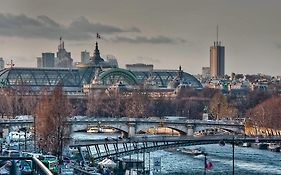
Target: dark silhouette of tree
{"points": [[256, 97]]}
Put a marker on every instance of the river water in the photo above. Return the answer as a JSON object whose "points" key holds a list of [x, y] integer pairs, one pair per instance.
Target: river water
{"points": [[248, 161]]}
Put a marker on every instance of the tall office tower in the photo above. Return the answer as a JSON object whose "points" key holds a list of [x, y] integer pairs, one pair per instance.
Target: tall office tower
{"points": [[39, 62], [48, 59], [63, 57], [217, 59], [2, 64], [85, 57]]}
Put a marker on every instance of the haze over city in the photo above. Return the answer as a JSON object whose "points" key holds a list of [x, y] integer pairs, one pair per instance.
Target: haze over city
{"points": [[160, 32]]}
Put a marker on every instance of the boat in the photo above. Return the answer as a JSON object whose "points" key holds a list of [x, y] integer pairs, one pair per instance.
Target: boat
{"points": [[246, 144], [192, 152], [259, 145], [92, 130], [100, 130], [274, 147]]}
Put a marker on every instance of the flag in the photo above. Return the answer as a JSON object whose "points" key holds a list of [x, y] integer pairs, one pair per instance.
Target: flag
{"points": [[98, 36], [208, 165]]}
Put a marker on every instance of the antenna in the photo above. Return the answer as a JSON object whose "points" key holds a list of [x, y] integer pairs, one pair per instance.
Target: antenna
{"points": [[217, 33]]}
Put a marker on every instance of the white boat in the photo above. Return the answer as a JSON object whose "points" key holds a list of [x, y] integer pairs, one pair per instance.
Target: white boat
{"points": [[100, 130], [193, 152], [246, 144], [93, 130], [274, 147]]}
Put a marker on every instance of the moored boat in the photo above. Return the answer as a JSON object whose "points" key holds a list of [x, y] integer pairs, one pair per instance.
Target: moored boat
{"points": [[246, 144], [192, 152], [274, 147], [92, 130], [259, 145]]}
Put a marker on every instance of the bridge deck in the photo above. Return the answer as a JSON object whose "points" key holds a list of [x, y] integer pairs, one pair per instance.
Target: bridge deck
{"points": [[113, 148]]}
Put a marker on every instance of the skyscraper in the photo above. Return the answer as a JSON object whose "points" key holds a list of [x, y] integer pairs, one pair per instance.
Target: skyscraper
{"points": [[217, 60], [39, 62], [85, 57], [48, 59], [2, 63]]}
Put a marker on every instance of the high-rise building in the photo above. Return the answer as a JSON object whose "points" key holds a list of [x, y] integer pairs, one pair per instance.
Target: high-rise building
{"points": [[48, 59], [85, 57], [206, 72], [39, 62], [217, 59], [63, 57], [2, 64]]}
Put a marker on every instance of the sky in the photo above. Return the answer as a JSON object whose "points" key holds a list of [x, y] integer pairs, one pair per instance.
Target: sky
{"points": [[165, 33]]}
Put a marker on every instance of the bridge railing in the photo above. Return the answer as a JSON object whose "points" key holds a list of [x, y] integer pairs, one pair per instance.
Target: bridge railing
{"points": [[128, 147]]}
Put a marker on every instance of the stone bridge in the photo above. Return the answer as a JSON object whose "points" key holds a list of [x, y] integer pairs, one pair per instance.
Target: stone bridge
{"points": [[132, 126]]}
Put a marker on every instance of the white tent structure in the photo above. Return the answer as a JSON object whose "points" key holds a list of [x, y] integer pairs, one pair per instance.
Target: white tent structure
{"points": [[5, 168], [107, 163]]}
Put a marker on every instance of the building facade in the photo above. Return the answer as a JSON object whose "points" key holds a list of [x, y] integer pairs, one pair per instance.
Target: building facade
{"points": [[217, 60], [85, 57], [139, 67], [63, 57], [48, 59], [206, 72], [2, 63]]}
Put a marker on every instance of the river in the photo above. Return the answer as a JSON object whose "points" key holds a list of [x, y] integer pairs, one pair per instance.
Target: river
{"points": [[248, 161]]}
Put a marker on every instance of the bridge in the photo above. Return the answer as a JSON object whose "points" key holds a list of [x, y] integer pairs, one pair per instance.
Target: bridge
{"points": [[132, 126], [100, 149]]}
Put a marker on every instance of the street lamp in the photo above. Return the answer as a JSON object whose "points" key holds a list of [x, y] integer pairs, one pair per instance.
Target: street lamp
{"points": [[222, 143]]}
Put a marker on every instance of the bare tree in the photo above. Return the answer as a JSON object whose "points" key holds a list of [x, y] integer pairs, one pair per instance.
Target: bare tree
{"points": [[137, 105], [219, 108], [50, 121], [267, 114]]}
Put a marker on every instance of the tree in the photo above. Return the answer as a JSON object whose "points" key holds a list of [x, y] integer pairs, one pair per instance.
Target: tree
{"points": [[5, 105], [136, 105], [267, 114], [219, 108], [50, 121]]}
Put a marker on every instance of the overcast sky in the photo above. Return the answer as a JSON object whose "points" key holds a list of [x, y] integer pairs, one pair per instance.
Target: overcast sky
{"points": [[166, 33]]}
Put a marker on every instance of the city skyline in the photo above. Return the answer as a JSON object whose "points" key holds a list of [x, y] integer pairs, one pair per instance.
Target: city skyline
{"points": [[166, 34]]}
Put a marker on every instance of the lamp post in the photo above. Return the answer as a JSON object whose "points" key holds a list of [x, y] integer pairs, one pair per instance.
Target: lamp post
{"points": [[233, 155], [222, 143], [205, 161]]}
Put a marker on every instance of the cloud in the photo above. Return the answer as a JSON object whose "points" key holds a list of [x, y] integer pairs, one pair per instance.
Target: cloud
{"points": [[44, 27], [152, 40]]}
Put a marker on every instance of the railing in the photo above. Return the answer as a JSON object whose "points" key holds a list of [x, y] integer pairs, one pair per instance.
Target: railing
{"points": [[126, 147], [37, 167]]}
